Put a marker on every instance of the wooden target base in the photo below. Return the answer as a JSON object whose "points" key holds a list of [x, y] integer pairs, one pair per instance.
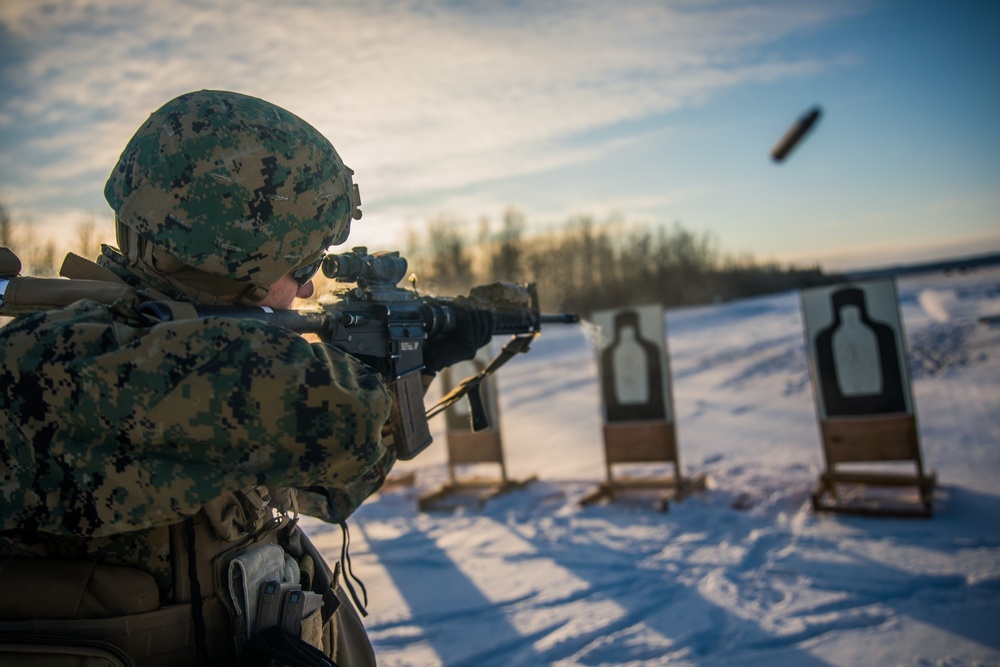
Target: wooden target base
{"points": [[643, 442], [469, 449], [880, 439]]}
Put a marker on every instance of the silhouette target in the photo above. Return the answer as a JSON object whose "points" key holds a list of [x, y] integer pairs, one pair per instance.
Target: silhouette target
{"points": [[632, 372], [857, 360]]}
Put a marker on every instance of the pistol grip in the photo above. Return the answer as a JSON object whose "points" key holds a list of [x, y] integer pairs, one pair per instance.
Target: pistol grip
{"points": [[477, 411]]}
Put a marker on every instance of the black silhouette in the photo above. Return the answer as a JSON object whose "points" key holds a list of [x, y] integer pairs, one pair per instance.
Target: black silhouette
{"points": [[888, 397], [617, 410]]}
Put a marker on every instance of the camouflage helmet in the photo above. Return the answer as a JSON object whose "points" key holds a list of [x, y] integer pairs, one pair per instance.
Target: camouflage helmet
{"points": [[233, 186]]}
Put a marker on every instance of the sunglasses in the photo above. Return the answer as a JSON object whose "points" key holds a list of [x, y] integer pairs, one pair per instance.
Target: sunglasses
{"points": [[304, 274]]}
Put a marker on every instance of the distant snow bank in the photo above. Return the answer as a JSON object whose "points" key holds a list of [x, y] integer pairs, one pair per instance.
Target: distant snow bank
{"points": [[938, 303]]}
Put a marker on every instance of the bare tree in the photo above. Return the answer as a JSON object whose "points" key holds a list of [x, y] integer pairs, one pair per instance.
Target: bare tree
{"points": [[6, 228], [508, 255], [450, 261], [86, 238], [40, 259]]}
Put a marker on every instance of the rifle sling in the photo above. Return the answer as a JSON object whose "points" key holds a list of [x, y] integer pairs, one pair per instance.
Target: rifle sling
{"points": [[470, 386]]}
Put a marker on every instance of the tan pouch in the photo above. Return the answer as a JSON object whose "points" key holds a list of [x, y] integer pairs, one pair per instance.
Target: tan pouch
{"points": [[48, 653], [312, 630], [159, 638], [47, 588]]}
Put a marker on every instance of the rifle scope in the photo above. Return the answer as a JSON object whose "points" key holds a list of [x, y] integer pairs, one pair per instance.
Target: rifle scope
{"points": [[383, 268]]}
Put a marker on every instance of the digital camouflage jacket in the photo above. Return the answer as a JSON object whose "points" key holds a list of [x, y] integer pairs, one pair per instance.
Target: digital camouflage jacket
{"points": [[112, 424]]}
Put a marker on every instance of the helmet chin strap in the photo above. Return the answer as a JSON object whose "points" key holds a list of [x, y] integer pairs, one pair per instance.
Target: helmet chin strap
{"points": [[158, 268]]}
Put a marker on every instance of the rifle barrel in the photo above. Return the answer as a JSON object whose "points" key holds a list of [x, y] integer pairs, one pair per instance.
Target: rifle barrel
{"points": [[558, 318]]}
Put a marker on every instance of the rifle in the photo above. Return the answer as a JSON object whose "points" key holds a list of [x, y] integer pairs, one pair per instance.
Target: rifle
{"points": [[388, 326]]}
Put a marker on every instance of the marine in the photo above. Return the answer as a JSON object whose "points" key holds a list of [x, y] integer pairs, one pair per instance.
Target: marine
{"points": [[152, 473]]}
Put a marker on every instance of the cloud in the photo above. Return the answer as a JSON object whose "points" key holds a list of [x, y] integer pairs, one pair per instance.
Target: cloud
{"points": [[415, 95]]}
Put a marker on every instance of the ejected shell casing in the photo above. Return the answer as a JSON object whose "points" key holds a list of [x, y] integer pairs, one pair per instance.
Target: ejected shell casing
{"points": [[795, 134]]}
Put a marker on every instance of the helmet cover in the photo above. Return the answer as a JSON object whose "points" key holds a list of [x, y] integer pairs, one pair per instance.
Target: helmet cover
{"points": [[234, 186]]}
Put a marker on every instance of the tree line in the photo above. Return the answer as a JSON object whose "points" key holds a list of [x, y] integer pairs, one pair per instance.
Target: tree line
{"points": [[584, 265], [588, 265], [39, 256]]}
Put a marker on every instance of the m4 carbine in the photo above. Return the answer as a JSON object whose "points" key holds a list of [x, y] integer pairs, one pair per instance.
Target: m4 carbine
{"points": [[388, 326]]}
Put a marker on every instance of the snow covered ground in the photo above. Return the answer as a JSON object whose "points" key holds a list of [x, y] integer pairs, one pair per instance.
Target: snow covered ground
{"points": [[742, 574]]}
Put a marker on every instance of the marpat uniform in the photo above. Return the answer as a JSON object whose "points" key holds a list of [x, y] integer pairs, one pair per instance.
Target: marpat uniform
{"points": [[151, 472]]}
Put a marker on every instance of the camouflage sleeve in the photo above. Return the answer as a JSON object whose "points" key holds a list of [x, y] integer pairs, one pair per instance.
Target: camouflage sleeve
{"points": [[112, 426]]}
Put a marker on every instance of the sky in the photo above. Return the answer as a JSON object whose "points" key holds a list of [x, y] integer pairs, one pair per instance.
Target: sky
{"points": [[651, 112]]}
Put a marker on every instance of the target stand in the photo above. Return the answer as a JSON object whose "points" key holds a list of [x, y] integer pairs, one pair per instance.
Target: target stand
{"points": [[471, 448], [468, 448], [859, 368], [643, 442], [399, 480], [849, 488]]}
